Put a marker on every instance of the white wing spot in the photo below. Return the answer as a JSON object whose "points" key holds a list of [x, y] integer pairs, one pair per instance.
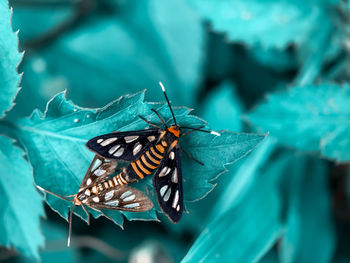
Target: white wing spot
{"points": [[129, 198], [108, 141], [99, 140], [168, 171], [133, 205], [163, 171], [137, 148], [96, 164], [99, 172], [125, 194], [96, 199], [113, 149], [87, 192], [88, 181], [176, 199], [151, 138], [167, 195], [174, 176], [163, 190], [178, 208], [109, 195], [119, 152], [172, 155], [129, 139], [113, 203]]}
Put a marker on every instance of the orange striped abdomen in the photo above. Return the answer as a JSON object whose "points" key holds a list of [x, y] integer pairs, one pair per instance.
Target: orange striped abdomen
{"points": [[147, 162]]}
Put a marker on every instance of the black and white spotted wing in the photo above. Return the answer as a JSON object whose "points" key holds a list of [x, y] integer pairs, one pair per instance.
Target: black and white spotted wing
{"points": [[126, 146], [167, 182], [124, 198], [99, 169]]}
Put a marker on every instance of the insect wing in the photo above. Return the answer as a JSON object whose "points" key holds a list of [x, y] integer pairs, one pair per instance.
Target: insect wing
{"points": [[99, 169], [124, 198], [167, 182], [126, 146]]}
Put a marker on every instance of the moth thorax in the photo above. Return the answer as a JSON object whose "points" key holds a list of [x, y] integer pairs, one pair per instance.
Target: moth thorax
{"points": [[174, 129], [124, 174], [78, 199]]}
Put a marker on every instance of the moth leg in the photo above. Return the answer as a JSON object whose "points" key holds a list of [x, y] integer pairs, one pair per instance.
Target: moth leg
{"points": [[98, 210], [88, 215], [160, 118], [148, 122], [191, 157]]}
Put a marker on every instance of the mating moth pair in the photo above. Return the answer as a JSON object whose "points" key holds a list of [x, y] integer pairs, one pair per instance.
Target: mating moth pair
{"points": [[145, 151]]}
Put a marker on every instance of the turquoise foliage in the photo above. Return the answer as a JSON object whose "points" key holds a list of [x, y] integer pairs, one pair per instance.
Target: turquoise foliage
{"points": [[9, 60], [271, 77], [309, 211], [240, 217], [44, 137], [19, 203], [273, 24], [315, 116], [158, 46]]}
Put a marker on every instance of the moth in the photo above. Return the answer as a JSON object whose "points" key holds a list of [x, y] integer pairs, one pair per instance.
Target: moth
{"points": [[99, 190], [155, 149]]}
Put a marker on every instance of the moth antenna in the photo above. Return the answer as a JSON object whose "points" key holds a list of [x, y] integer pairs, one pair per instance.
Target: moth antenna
{"points": [[167, 100], [198, 129], [215, 133], [51, 193], [70, 225]]}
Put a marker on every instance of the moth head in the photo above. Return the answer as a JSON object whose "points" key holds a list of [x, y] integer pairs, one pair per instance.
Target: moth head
{"points": [[175, 129]]}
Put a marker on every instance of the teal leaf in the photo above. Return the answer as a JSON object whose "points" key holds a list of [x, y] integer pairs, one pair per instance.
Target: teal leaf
{"points": [[276, 59], [138, 44], [54, 235], [240, 182], [272, 24], [271, 257], [222, 108], [348, 186], [44, 15], [55, 250], [9, 60], [20, 203], [309, 212], [55, 144], [314, 53], [335, 145], [310, 118], [249, 223]]}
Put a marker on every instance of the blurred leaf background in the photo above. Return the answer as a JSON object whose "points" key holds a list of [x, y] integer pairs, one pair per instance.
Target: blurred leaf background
{"points": [[276, 66]]}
